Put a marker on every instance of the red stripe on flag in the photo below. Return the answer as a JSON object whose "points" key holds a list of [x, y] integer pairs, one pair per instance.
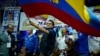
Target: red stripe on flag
{"points": [[44, 8]]}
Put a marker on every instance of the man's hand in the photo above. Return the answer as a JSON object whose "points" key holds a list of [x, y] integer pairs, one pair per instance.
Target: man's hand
{"points": [[41, 54], [15, 47], [32, 23], [95, 53], [34, 54], [23, 50]]}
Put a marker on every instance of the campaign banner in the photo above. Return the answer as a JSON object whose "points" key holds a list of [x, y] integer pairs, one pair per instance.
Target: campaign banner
{"points": [[11, 16]]}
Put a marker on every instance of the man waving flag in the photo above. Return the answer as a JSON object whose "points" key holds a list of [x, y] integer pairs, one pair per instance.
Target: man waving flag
{"points": [[72, 12]]}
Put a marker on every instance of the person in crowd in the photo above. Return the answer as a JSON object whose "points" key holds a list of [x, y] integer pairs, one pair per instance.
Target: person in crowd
{"points": [[31, 42], [20, 40], [11, 39], [70, 43], [7, 42], [3, 44], [39, 35], [48, 39], [61, 45], [70, 30], [9, 19], [94, 45], [81, 44]]}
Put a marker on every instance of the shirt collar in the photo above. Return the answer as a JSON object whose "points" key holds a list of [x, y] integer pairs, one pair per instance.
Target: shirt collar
{"points": [[30, 35]]}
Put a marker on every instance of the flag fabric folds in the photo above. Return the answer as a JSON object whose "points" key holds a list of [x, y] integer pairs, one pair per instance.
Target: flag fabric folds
{"points": [[72, 12]]}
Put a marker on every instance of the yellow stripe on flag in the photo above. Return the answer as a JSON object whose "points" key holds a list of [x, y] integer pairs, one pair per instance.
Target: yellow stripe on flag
{"points": [[45, 16], [79, 7], [55, 1]]}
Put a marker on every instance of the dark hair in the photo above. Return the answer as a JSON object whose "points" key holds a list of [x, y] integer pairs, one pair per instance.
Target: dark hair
{"points": [[9, 12], [52, 22], [8, 26]]}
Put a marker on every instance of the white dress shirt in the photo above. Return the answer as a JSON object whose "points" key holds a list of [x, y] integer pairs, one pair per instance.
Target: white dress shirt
{"points": [[61, 43], [94, 44]]}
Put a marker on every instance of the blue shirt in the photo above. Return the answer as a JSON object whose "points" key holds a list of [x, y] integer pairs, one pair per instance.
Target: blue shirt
{"points": [[31, 43], [20, 39], [81, 45], [70, 30]]}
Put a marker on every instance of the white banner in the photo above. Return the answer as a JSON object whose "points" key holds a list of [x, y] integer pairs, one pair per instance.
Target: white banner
{"points": [[11, 16]]}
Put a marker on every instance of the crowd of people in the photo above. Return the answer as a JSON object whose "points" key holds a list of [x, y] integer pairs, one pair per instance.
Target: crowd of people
{"points": [[48, 42]]}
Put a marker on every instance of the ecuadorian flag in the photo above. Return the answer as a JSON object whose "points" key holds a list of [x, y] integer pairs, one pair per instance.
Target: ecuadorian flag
{"points": [[72, 12]]}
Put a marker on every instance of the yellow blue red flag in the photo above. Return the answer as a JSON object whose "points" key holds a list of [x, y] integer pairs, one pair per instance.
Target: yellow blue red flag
{"points": [[72, 12]]}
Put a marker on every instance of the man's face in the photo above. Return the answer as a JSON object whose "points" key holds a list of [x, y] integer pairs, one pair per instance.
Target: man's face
{"points": [[10, 29], [9, 16], [29, 32], [64, 30], [49, 24]]}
